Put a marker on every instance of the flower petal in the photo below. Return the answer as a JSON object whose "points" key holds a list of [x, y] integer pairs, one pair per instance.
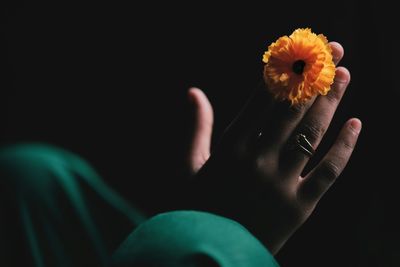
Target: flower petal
{"points": [[318, 72]]}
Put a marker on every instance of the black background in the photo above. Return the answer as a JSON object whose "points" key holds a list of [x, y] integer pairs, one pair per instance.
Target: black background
{"points": [[108, 80]]}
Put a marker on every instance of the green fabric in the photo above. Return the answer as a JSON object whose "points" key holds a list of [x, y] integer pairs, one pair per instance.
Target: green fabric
{"points": [[56, 211], [191, 238]]}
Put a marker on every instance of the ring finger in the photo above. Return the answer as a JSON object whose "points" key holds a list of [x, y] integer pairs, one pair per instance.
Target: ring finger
{"points": [[315, 123]]}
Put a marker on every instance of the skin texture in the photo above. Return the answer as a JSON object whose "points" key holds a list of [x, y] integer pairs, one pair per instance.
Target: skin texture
{"points": [[256, 179]]}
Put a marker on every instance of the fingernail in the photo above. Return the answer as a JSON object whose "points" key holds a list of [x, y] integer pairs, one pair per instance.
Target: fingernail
{"points": [[356, 125]]}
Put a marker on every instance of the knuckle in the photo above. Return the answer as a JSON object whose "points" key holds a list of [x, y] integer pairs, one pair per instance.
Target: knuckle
{"points": [[296, 111], [263, 165], [336, 93], [347, 144], [313, 129], [259, 163], [329, 170]]}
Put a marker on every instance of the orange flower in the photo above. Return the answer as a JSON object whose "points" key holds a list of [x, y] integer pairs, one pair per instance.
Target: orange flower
{"points": [[299, 67]]}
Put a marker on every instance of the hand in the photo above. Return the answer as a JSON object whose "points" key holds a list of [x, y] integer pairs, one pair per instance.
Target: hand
{"points": [[257, 179]]}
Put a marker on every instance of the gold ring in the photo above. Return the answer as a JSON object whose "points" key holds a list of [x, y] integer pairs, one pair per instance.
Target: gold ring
{"points": [[304, 145]]}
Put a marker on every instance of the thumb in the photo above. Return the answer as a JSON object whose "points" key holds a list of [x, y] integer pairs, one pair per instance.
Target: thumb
{"points": [[199, 149]]}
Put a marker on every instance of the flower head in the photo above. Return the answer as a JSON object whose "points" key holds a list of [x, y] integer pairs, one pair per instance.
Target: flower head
{"points": [[299, 66]]}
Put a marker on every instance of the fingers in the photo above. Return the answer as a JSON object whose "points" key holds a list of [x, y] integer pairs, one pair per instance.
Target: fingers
{"points": [[315, 123], [199, 150], [261, 110], [288, 117], [317, 182], [337, 52]]}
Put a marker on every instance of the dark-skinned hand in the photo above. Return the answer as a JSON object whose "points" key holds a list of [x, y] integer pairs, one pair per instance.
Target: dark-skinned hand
{"points": [[256, 178]]}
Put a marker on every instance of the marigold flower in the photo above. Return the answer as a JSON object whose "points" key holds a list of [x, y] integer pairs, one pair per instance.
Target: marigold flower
{"points": [[299, 66]]}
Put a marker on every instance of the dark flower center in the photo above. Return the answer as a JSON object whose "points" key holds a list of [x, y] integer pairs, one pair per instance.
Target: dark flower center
{"points": [[298, 66]]}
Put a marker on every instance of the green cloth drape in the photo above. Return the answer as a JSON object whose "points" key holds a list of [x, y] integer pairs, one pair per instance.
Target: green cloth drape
{"points": [[192, 238], [55, 210]]}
